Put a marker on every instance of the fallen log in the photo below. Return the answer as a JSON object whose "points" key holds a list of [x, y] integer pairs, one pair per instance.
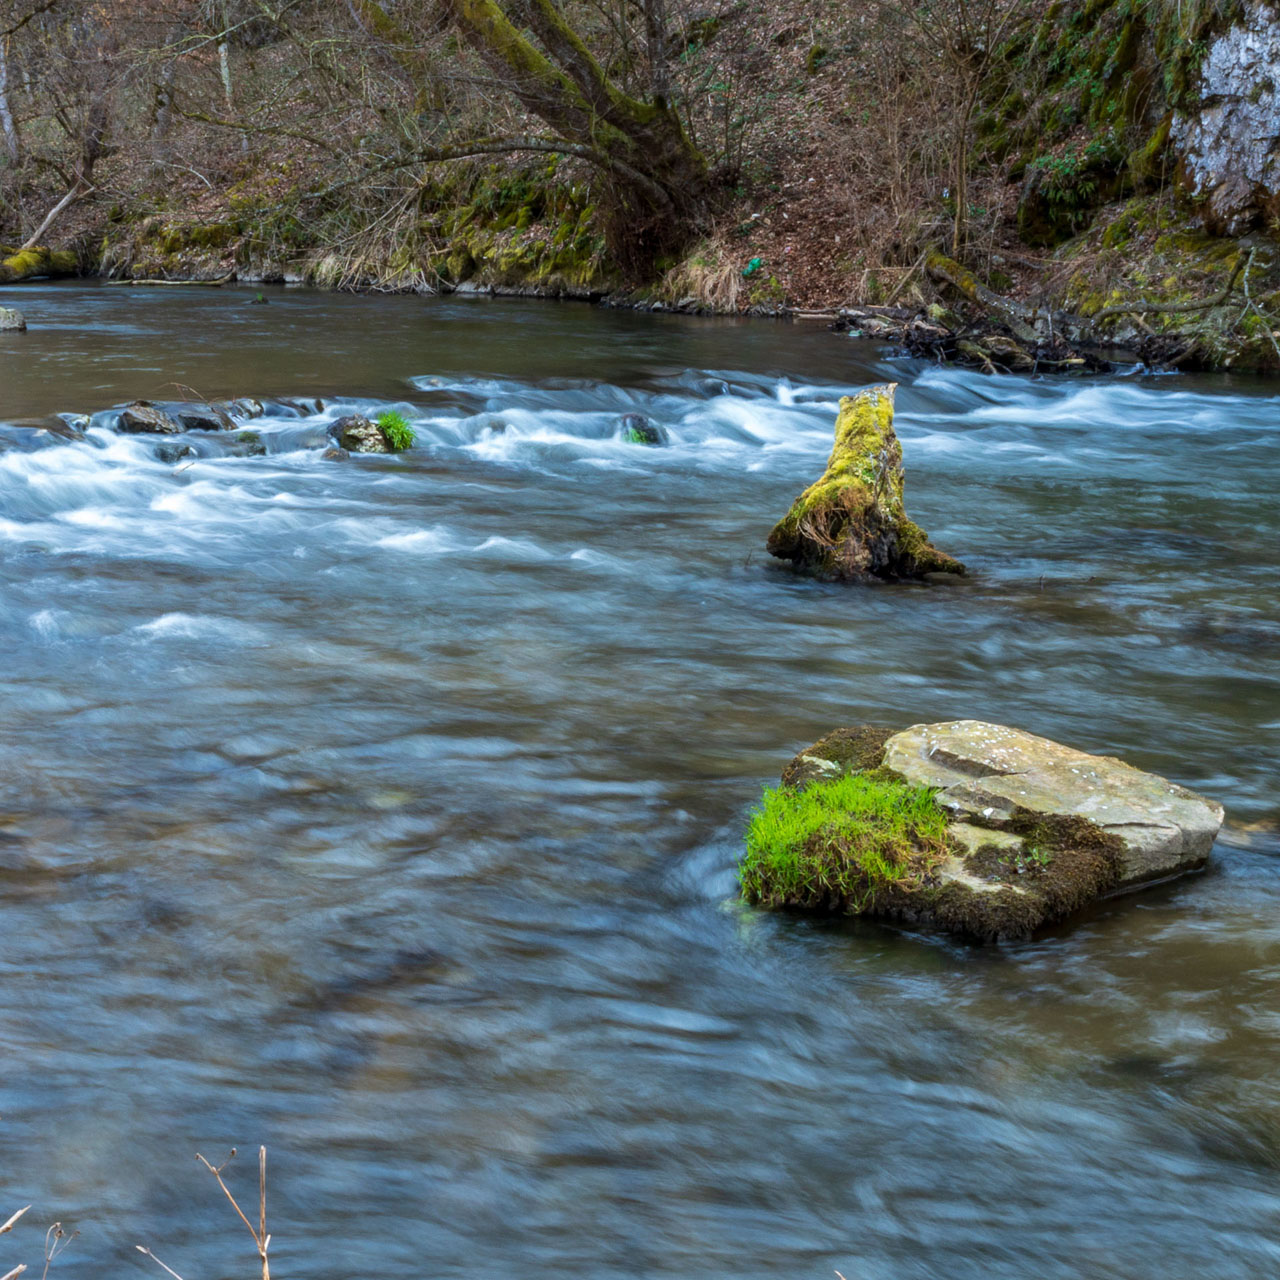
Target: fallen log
{"points": [[1021, 320], [208, 284]]}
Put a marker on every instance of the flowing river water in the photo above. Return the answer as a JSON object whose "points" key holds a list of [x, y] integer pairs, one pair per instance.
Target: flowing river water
{"points": [[386, 812]]}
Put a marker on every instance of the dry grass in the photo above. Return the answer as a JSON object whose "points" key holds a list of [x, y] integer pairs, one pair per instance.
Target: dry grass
{"points": [[710, 276]]}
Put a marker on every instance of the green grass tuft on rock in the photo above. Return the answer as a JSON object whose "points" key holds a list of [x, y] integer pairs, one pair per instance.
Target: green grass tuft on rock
{"points": [[395, 426], [838, 844]]}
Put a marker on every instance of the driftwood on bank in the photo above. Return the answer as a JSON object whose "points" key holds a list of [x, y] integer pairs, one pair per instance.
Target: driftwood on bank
{"points": [[1020, 319], [207, 284]]}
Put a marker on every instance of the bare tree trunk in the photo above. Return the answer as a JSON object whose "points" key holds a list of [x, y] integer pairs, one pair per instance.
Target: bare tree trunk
{"points": [[162, 109], [655, 21], [224, 64], [70, 198], [12, 143]]}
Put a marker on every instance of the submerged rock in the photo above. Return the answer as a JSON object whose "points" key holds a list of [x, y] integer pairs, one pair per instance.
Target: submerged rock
{"points": [[247, 444], [206, 417], [334, 454], [69, 426], [358, 434], [246, 407], [12, 320], [637, 429], [173, 452], [851, 525], [1035, 830], [144, 417]]}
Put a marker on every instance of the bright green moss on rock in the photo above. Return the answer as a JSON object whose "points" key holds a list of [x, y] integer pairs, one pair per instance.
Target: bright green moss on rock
{"points": [[26, 264], [843, 844], [851, 526]]}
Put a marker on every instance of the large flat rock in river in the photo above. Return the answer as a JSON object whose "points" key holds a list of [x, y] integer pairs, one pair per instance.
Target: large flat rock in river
{"points": [[1032, 831], [991, 772]]}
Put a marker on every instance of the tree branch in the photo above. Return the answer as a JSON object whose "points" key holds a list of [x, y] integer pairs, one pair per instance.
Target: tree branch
{"points": [[1171, 308], [22, 22]]}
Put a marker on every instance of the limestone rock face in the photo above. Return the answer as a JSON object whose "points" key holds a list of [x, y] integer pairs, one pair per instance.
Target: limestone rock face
{"points": [[12, 320], [851, 526], [990, 772], [1229, 141]]}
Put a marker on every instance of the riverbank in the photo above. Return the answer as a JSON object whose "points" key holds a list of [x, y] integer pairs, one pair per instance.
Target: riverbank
{"points": [[1146, 285]]}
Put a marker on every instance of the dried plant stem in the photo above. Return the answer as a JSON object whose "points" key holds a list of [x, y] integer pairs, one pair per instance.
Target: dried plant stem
{"points": [[8, 1226], [143, 1249], [259, 1233], [55, 1241]]}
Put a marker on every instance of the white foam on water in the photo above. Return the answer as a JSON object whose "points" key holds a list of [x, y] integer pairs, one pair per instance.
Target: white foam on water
{"points": [[46, 623], [188, 626], [512, 549], [433, 541]]}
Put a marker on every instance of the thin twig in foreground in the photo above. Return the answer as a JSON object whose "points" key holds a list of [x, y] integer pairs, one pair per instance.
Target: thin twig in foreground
{"points": [[141, 1248], [8, 1226]]}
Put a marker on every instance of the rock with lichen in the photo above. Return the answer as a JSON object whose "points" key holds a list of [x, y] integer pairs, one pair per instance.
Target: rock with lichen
{"points": [[1034, 831], [851, 525], [12, 320], [357, 434], [144, 418], [637, 429]]}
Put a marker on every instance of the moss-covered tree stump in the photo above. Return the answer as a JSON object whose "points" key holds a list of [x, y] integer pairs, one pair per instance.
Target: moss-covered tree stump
{"points": [[851, 525]]}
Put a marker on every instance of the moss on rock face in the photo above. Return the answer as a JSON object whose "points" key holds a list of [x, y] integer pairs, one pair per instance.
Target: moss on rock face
{"points": [[1174, 292], [26, 264], [851, 526], [860, 747]]}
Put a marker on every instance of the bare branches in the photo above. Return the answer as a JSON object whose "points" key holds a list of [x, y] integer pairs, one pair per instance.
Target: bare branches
{"points": [[78, 189], [8, 1226], [31, 14]]}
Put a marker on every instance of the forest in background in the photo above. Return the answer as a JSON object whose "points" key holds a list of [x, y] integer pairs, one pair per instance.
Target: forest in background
{"points": [[937, 159]]}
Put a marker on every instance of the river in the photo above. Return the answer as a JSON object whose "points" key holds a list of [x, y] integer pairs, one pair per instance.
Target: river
{"points": [[386, 812]]}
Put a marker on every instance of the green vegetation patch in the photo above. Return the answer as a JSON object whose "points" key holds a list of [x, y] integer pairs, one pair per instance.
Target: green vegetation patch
{"points": [[839, 845], [395, 426]]}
